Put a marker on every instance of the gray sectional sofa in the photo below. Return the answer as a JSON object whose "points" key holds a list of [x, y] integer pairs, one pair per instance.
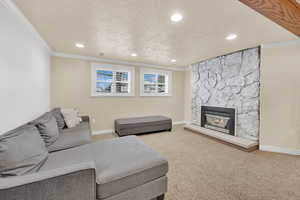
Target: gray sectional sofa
{"points": [[76, 168]]}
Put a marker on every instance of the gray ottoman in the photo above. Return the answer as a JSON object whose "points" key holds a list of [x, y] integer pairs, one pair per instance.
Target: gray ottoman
{"points": [[139, 125], [127, 169]]}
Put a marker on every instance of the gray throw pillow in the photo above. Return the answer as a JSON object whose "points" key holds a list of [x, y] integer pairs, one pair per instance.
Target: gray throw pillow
{"points": [[47, 127], [56, 112], [22, 151]]}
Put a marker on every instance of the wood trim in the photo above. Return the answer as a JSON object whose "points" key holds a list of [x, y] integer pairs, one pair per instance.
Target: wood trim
{"points": [[286, 13], [296, 3]]}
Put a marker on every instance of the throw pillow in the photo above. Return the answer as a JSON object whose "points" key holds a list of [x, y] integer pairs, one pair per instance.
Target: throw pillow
{"points": [[71, 117], [22, 151], [56, 112], [48, 128]]}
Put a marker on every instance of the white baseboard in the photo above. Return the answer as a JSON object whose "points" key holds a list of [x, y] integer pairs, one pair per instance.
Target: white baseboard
{"points": [[109, 131], [178, 123], [187, 122], [279, 150]]}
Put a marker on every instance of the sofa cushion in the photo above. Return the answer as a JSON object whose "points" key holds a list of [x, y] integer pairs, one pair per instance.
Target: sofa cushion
{"points": [[22, 151], [125, 163], [56, 112], [71, 117], [72, 137], [68, 158], [47, 127]]}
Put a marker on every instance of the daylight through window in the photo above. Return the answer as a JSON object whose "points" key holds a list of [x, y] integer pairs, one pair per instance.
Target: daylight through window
{"points": [[112, 81], [155, 82]]}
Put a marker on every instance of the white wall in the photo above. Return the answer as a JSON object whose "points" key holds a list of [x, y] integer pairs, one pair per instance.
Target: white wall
{"points": [[280, 97], [70, 87], [24, 70]]}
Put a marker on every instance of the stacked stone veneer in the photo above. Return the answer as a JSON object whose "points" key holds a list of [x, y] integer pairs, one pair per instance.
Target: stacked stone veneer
{"points": [[230, 81]]}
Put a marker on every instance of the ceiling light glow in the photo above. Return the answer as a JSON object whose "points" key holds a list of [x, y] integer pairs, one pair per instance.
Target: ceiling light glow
{"points": [[134, 55], [78, 45], [173, 60], [231, 36], [176, 17]]}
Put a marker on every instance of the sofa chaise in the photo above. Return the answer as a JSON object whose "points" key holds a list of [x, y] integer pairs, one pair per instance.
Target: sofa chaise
{"points": [[78, 169]]}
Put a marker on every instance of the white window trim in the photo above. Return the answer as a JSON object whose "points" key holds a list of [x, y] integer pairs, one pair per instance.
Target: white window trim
{"points": [[154, 71], [131, 79]]}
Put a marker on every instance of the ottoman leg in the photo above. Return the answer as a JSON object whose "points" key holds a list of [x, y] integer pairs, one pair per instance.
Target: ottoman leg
{"points": [[161, 197]]}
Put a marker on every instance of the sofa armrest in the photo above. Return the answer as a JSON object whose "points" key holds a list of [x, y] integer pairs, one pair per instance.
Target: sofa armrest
{"points": [[75, 182], [85, 118]]}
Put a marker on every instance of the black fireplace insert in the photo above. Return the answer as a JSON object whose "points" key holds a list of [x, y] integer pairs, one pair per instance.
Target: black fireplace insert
{"points": [[218, 119]]}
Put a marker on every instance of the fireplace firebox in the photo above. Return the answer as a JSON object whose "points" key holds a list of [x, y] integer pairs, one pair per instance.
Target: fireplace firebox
{"points": [[218, 119]]}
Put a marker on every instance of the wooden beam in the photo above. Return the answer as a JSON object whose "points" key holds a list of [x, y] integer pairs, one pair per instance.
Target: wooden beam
{"points": [[283, 12]]}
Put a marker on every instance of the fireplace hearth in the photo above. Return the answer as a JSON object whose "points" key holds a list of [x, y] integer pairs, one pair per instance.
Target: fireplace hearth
{"points": [[218, 119]]}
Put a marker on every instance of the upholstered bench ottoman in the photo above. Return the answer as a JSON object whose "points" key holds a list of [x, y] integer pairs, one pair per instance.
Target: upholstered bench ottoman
{"points": [[127, 169], [139, 125]]}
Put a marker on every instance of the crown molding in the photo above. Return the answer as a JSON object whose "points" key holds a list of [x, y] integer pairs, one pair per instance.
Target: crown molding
{"points": [[9, 4], [115, 61], [277, 44], [188, 68]]}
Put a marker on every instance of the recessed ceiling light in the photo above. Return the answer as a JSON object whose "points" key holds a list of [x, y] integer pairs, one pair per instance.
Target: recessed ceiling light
{"points": [[134, 55], [79, 45], [173, 60], [231, 36], [176, 17]]}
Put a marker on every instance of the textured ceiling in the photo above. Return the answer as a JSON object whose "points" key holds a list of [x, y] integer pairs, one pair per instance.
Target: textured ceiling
{"points": [[120, 27]]}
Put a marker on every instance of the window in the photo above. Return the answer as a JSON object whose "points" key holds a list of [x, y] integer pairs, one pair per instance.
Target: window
{"points": [[155, 82], [112, 80]]}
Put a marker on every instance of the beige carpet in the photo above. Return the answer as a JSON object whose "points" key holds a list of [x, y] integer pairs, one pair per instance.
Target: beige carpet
{"points": [[203, 169]]}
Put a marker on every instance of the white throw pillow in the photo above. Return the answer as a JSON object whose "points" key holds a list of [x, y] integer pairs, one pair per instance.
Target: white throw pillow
{"points": [[71, 117]]}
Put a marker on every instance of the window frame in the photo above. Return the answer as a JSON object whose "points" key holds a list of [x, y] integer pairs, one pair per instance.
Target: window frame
{"points": [[168, 84], [114, 69]]}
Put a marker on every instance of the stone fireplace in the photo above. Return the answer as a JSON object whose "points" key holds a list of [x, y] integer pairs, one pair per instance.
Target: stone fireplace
{"points": [[218, 119], [228, 81]]}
